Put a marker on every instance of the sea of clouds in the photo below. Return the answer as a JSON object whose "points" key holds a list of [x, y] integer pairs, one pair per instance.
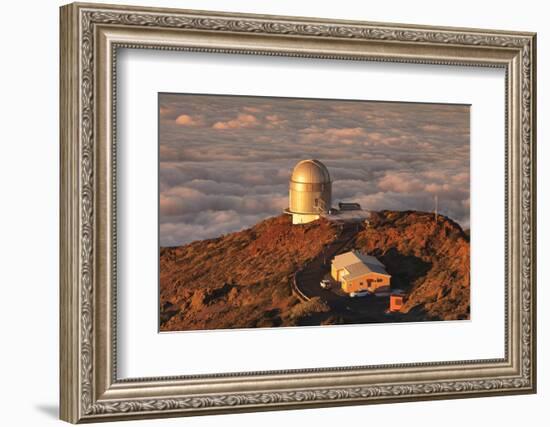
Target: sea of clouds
{"points": [[225, 161]]}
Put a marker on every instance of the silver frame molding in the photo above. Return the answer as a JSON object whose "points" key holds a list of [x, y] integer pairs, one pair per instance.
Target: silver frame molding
{"points": [[90, 37]]}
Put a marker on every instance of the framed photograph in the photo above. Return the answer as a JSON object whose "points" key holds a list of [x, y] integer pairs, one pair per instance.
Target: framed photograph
{"points": [[266, 212]]}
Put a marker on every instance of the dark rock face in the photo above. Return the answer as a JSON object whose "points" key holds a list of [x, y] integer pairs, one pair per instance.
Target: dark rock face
{"points": [[243, 279], [428, 259]]}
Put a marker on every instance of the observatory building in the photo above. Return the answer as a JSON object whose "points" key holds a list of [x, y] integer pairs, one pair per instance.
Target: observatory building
{"points": [[359, 272], [310, 191]]}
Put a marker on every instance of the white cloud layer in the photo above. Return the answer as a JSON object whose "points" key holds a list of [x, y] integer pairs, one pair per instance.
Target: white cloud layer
{"points": [[225, 161]]}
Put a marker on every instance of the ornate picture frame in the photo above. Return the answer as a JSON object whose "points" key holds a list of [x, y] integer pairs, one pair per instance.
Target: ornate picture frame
{"points": [[90, 37]]}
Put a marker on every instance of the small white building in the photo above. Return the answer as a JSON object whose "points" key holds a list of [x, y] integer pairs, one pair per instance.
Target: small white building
{"points": [[359, 272]]}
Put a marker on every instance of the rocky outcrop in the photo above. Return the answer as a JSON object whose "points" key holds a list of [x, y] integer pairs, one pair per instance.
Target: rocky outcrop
{"points": [[427, 258], [243, 279]]}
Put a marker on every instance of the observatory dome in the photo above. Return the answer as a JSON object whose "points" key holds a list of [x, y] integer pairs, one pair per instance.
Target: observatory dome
{"points": [[310, 172], [310, 191]]}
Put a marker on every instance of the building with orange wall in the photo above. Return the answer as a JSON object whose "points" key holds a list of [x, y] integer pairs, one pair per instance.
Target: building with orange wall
{"points": [[358, 272], [396, 302]]}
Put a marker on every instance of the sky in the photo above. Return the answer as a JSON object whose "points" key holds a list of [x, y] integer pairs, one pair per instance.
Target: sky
{"points": [[225, 161]]}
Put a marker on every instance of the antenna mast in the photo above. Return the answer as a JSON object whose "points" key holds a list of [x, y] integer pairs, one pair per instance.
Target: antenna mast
{"points": [[435, 212]]}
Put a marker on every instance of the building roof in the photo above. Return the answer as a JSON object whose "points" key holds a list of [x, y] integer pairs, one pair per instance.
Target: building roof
{"points": [[352, 257], [347, 216], [310, 172], [358, 264]]}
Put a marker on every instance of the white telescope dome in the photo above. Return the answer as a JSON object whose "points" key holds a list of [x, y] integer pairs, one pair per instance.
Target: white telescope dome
{"points": [[310, 191], [310, 171]]}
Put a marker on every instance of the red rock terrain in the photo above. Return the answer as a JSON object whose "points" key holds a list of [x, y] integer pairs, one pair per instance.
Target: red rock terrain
{"points": [[243, 279], [429, 259]]}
